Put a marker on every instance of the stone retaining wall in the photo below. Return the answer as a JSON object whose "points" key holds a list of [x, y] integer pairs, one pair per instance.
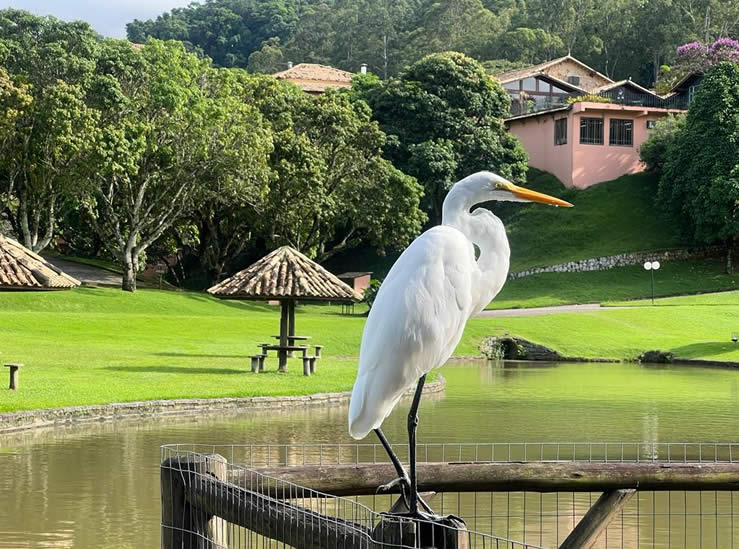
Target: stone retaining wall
{"points": [[622, 260], [19, 421]]}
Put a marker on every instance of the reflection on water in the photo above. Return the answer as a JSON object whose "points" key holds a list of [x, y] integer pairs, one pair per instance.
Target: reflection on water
{"points": [[98, 485]]}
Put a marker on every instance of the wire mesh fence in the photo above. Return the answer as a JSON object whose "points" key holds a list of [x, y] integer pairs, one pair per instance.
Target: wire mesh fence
{"points": [[259, 510]]}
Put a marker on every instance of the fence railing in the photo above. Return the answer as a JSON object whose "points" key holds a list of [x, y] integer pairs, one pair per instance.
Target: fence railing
{"points": [[534, 104], [255, 496]]}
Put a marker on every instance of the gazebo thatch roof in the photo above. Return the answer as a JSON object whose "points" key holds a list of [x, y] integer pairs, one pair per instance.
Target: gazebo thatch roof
{"points": [[21, 269], [285, 274]]}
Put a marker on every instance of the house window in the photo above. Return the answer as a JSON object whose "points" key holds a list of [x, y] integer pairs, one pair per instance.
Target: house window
{"points": [[574, 80], [591, 131], [621, 133], [529, 84], [691, 93], [545, 87], [651, 124], [560, 131], [513, 85]]}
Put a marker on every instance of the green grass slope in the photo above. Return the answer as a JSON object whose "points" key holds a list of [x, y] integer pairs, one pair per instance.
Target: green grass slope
{"points": [[609, 218], [92, 346]]}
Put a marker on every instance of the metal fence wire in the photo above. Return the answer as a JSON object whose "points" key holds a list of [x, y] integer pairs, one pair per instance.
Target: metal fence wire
{"points": [[225, 496]]}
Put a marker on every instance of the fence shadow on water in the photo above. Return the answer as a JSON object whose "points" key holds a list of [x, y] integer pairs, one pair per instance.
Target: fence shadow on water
{"points": [[243, 497]]}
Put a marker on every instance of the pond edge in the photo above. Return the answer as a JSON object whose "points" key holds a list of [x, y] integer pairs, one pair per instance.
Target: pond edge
{"points": [[14, 422]]}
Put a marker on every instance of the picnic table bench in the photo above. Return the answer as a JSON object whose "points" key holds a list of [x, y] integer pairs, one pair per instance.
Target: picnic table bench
{"points": [[309, 362]]}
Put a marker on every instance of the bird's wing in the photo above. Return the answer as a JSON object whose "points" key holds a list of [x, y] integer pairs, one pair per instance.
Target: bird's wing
{"points": [[414, 325]]}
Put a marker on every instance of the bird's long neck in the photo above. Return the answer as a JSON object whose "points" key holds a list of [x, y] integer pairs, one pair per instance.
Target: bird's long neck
{"points": [[485, 231]]}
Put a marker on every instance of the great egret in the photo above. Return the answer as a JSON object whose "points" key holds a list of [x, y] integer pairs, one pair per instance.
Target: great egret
{"points": [[421, 309]]}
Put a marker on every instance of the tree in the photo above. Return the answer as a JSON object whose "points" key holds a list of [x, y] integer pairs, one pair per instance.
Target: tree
{"points": [[51, 130], [700, 179], [168, 132], [443, 117], [331, 188]]}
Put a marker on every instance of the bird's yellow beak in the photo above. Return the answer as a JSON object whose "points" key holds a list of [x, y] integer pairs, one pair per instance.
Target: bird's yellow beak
{"points": [[533, 196]]}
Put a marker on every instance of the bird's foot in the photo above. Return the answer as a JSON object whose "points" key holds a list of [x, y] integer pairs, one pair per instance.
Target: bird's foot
{"points": [[425, 516], [405, 486]]}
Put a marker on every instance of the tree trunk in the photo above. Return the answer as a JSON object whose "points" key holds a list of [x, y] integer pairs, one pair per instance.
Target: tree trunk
{"points": [[130, 268], [730, 255]]}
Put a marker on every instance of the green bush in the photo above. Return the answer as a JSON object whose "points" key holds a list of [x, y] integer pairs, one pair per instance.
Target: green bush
{"points": [[654, 150]]}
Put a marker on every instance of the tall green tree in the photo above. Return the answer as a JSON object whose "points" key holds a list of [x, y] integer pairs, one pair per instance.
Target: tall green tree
{"points": [[444, 120], [700, 178], [46, 146], [331, 188], [168, 131]]}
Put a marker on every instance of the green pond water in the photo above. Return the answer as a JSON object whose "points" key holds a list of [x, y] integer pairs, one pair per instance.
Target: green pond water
{"points": [[98, 485]]}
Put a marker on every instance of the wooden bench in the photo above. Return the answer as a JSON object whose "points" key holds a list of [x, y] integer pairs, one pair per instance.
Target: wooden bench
{"points": [[13, 386], [309, 365]]}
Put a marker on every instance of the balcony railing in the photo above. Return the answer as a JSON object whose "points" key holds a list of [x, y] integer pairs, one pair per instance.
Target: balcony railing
{"points": [[534, 104]]}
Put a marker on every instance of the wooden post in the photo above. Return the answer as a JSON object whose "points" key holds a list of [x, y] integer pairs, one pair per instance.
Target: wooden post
{"points": [[13, 385], [291, 324], [306, 366], [185, 526], [596, 520], [284, 314]]}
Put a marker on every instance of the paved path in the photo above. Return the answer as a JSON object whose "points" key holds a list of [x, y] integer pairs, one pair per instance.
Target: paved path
{"points": [[536, 311], [87, 274]]}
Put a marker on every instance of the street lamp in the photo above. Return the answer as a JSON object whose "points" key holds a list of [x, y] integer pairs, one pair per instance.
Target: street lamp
{"points": [[651, 266]]}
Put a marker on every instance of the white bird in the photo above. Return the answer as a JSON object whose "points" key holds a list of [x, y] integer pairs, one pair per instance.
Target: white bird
{"points": [[421, 309]]}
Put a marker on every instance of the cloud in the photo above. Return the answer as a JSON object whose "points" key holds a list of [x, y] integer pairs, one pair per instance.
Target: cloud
{"points": [[108, 17]]}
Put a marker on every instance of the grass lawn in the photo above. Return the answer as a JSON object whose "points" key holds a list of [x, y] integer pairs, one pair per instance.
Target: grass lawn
{"points": [[610, 218], [691, 327], [92, 346], [620, 284]]}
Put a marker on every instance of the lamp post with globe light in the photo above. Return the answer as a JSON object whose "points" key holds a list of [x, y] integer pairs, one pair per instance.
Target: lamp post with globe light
{"points": [[652, 266]]}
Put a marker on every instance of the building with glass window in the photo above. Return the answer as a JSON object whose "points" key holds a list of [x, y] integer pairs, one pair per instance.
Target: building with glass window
{"points": [[579, 124]]}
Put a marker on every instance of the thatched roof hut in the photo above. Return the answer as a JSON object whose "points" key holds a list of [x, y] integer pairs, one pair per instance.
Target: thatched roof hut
{"points": [[22, 269], [285, 275]]}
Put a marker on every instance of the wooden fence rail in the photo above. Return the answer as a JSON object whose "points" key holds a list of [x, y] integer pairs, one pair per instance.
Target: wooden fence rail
{"points": [[200, 495], [363, 479]]}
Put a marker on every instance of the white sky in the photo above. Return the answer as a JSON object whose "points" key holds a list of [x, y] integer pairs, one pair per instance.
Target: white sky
{"points": [[108, 17]]}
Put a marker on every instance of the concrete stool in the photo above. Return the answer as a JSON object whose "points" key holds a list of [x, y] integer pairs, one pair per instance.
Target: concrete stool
{"points": [[312, 364], [13, 376], [318, 350], [255, 363], [306, 365]]}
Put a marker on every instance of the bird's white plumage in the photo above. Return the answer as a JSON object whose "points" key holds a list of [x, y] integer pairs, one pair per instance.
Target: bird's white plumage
{"points": [[421, 309]]}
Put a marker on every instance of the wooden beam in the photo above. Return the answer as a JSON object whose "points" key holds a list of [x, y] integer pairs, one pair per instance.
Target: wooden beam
{"points": [[274, 519], [597, 519], [283, 334], [355, 480]]}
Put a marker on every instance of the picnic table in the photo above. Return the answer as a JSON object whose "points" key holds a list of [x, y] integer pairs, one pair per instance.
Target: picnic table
{"points": [[291, 339]]}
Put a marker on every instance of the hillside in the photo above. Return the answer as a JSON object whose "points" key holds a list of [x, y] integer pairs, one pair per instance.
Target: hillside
{"points": [[610, 218]]}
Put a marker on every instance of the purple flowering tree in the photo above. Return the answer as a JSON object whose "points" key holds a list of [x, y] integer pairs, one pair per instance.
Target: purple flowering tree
{"points": [[696, 56]]}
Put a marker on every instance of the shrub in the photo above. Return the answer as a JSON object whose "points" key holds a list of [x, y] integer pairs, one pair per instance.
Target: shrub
{"points": [[653, 151], [589, 98]]}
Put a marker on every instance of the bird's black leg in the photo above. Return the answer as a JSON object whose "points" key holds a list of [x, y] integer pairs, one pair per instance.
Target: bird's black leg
{"points": [[412, 425], [402, 475]]}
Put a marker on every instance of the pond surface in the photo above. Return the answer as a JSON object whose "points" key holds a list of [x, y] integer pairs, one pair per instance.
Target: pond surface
{"points": [[98, 485]]}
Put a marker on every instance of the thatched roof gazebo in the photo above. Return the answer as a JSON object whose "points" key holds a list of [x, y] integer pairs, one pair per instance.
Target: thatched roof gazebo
{"points": [[285, 275], [22, 269]]}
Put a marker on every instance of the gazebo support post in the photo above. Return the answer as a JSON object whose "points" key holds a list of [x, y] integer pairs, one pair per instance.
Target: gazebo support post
{"points": [[291, 323], [284, 308]]}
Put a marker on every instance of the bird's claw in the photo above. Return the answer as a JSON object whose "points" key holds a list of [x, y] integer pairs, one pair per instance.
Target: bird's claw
{"points": [[403, 482]]}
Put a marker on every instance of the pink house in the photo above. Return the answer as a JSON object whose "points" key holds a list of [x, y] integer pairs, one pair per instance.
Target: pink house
{"points": [[578, 124]]}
